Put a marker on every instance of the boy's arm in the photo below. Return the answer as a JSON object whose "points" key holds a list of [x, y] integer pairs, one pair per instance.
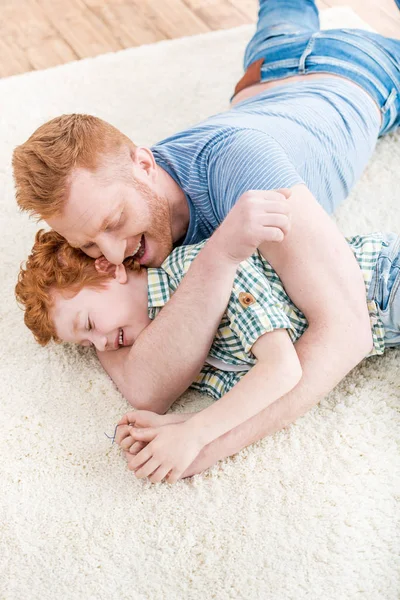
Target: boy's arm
{"points": [[316, 382], [276, 372]]}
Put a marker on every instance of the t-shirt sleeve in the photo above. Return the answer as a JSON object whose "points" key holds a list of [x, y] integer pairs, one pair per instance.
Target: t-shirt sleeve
{"points": [[246, 159], [253, 309]]}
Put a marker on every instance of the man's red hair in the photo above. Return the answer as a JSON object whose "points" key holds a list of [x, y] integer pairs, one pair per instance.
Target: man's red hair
{"points": [[42, 166]]}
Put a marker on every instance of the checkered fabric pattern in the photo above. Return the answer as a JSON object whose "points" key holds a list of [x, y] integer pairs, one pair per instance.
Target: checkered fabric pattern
{"points": [[258, 304]]}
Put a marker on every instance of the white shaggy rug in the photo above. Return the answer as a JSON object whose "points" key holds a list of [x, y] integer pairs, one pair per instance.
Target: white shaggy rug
{"points": [[309, 513]]}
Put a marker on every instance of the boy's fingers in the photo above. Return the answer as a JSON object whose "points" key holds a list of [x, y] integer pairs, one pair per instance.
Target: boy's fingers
{"points": [[127, 442], [136, 461], [122, 432], [143, 435], [127, 418], [173, 476], [137, 447], [148, 468]]}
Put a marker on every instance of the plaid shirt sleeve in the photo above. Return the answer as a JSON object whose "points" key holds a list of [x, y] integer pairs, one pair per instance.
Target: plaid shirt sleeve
{"points": [[253, 308]]}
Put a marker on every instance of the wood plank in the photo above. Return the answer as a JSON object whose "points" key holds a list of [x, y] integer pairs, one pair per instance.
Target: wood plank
{"points": [[50, 53], [172, 17], [128, 25], [373, 14], [84, 31], [217, 14], [36, 34], [248, 7], [13, 59]]}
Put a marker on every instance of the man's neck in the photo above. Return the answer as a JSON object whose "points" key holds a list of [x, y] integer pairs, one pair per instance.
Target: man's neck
{"points": [[178, 205]]}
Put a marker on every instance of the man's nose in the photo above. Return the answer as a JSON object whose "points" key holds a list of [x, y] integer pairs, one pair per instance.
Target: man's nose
{"points": [[112, 249]]}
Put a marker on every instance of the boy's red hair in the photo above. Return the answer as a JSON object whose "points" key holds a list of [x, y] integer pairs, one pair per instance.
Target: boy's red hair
{"points": [[52, 265]]}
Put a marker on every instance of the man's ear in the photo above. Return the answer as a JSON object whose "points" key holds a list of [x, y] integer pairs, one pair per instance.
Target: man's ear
{"points": [[144, 161]]}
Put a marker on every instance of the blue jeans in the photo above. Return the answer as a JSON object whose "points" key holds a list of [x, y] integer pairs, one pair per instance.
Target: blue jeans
{"points": [[289, 40], [385, 288]]}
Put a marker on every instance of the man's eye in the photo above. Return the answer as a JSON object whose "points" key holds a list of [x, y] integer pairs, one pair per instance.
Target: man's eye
{"points": [[87, 246], [115, 225]]}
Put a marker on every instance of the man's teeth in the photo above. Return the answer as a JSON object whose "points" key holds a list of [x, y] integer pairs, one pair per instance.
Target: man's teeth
{"points": [[137, 248], [121, 337]]}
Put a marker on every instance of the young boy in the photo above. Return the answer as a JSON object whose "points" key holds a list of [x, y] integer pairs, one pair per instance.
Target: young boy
{"points": [[67, 296]]}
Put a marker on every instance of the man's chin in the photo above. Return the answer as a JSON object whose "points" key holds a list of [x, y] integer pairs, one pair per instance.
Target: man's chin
{"points": [[158, 259]]}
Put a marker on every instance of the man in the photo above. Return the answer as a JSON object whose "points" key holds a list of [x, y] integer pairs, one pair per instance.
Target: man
{"points": [[305, 116]]}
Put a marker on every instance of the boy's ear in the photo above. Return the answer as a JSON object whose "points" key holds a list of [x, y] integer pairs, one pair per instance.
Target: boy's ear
{"points": [[103, 266]]}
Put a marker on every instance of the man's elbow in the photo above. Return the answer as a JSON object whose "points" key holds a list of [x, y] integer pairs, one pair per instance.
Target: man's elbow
{"points": [[142, 403], [291, 374], [358, 333], [349, 330]]}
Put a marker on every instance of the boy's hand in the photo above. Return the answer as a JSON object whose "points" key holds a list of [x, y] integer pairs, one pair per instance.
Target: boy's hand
{"points": [[258, 216], [169, 451], [142, 418]]}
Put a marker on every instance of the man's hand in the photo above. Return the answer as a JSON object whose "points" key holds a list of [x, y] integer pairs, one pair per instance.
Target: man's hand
{"points": [[258, 216], [170, 450]]}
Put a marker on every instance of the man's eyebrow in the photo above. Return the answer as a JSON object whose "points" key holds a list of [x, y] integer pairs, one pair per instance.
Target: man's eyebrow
{"points": [[108, 219]]}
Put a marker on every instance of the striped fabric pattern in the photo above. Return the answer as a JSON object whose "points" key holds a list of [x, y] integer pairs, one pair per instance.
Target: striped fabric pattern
{"points": [[321, 134], [271, 308]]}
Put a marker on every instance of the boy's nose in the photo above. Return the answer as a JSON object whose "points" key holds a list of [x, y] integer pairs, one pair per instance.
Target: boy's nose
{"points": [[100, 341]]}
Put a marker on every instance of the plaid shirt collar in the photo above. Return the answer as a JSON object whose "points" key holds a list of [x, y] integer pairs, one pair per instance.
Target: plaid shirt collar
{"points": [[158, 292]]}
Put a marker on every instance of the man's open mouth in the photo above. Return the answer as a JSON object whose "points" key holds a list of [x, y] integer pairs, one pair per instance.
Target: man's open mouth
{"points": [[140, 250], [133, 260]]}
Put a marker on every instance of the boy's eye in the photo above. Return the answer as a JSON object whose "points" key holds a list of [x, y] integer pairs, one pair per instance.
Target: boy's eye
{"points": [[89, 325]]}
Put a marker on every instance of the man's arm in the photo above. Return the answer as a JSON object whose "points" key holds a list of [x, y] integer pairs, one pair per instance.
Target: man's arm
{"points": [[170, 352], [322, 277]]}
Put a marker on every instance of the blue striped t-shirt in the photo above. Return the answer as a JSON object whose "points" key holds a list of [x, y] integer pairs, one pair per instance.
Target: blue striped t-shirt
{"points": [[320, 133]]}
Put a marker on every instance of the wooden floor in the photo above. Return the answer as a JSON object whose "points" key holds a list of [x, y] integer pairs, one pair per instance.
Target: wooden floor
{"points": [[36, 34]]}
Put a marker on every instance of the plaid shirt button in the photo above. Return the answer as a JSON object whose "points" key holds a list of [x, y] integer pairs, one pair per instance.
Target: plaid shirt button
{"points": [[246, 299]]}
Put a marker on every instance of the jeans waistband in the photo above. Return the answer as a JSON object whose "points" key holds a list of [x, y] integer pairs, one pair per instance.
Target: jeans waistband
{"points": [[351, 53]]}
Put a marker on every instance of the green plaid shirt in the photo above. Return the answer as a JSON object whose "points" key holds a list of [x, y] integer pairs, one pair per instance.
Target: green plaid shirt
{"points": [[258, 304]]}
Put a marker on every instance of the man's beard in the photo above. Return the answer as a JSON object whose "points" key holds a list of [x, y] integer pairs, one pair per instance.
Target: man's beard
{"points": [[160, 230]]}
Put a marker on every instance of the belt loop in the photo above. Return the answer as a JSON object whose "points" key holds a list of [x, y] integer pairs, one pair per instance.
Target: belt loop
{"points": [[389, 101], [307, 52]]}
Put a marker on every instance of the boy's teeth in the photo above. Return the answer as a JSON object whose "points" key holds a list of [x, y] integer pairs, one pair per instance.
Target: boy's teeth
{"points": [[121, 340]]}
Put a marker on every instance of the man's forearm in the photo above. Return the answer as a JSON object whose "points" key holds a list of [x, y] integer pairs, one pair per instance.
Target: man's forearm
{"points": [[170, 352], [322, 371]]}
